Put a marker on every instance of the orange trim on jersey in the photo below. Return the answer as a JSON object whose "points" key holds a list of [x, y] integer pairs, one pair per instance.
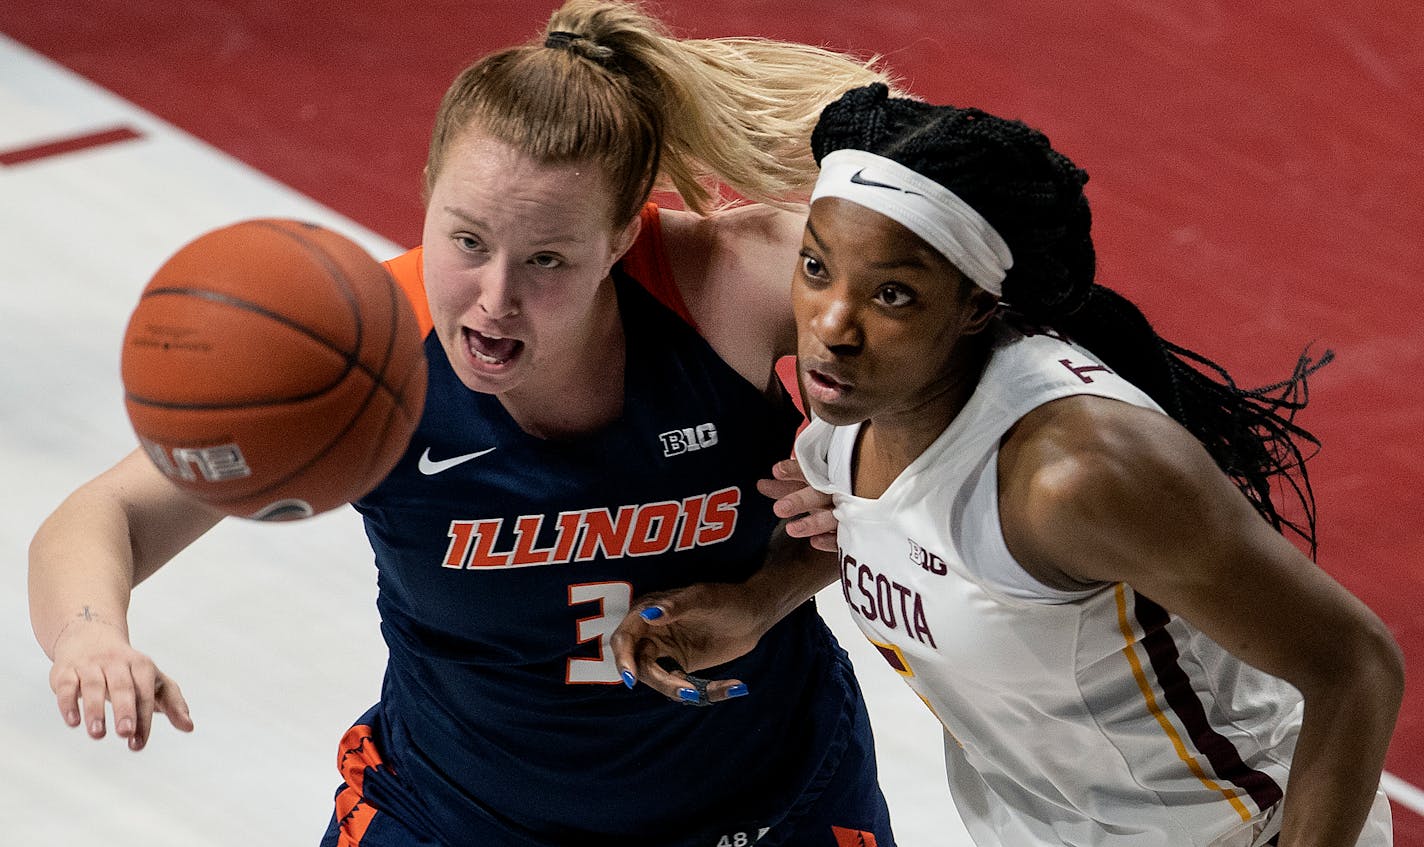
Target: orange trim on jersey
{"points": [[356, 753], [853, 837], [1151, 699], [409, 271], [353, 817], [647, 262]]}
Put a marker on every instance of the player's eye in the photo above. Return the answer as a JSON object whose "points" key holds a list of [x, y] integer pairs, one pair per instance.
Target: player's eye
{"points": [[811, 267], [547, 261], [895, 295]]}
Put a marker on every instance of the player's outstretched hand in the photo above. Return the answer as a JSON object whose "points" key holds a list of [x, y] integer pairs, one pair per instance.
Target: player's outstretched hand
{"points": [[670, 635], [94, 663], [795, 498]]}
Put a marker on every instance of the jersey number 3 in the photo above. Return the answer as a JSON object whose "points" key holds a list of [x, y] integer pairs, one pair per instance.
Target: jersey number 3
{"points": [[613, 599]]}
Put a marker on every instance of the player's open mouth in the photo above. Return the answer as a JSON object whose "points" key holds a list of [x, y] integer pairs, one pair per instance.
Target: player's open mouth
{"points": [[492, 349], [824, 387]]}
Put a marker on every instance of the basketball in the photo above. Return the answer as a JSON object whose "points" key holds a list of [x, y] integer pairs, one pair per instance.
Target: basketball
{"points": [[273, 369]]}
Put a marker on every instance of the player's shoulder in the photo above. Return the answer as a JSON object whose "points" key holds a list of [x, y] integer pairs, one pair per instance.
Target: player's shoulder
{"points": [[736, 230], [734, 268], [408, 270], [1085, 477], [1073, 457], [736, 235]]}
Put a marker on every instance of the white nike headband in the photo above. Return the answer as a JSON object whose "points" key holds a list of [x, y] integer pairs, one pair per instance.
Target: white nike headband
{"points": [[921, 205]]}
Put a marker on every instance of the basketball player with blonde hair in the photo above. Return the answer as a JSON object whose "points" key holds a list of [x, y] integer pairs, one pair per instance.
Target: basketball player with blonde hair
{"points": [[602, 400]]}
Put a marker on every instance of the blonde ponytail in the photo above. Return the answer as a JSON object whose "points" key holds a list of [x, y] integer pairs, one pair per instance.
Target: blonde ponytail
{"points": [[608, 84]]}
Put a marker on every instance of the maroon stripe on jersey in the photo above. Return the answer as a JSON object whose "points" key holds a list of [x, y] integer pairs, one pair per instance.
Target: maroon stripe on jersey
{"points": [[67, 145], [1187, 706], [892, 657]]}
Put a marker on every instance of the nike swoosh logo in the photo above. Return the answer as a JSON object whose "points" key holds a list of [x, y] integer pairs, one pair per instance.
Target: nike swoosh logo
{"points": [[860, 180], [430, 467]]}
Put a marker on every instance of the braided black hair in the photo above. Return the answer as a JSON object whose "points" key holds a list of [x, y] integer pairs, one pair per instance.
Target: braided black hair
{"points": [[1033, 195]]}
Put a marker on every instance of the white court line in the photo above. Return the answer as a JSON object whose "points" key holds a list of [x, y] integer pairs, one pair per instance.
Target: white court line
{"points": [[1403, 793]]}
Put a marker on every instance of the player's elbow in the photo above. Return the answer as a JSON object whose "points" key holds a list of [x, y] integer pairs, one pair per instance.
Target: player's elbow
{"points": [[1369, 666], [1386, 660]]}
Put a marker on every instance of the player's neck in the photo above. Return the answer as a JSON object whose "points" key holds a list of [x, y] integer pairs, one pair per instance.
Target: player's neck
{"points": [[891, 441], [584, 394]]}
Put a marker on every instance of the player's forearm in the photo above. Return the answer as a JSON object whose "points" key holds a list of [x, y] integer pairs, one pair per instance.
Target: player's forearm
{"points": [[1340, 753], [81, 569], [794, 571]]}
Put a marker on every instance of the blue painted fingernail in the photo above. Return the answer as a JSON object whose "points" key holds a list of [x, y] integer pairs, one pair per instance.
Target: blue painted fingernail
{"points": [[651, 613], [689, 694], [629, 680], [738, 690]]}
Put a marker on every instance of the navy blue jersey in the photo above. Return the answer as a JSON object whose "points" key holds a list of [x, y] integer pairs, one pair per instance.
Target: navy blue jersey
{"points": [[505, 561]]}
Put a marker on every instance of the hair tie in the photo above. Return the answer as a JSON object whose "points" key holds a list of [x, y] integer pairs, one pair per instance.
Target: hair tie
{"points": [[561, 39]]}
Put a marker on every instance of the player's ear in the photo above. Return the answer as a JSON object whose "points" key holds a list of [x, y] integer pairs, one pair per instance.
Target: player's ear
{"points": [[982, 307], [623, 241]]}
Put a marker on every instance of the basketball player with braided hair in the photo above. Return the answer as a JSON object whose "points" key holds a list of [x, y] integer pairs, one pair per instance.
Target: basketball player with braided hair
{"points": [[1057, 526], [601, 403]]}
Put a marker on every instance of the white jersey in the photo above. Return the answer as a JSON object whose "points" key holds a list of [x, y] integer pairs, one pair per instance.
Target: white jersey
{"points": [[1075, 718]]}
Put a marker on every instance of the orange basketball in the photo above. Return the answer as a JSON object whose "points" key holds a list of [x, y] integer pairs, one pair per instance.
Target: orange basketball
{"points": [[273, 369]]}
